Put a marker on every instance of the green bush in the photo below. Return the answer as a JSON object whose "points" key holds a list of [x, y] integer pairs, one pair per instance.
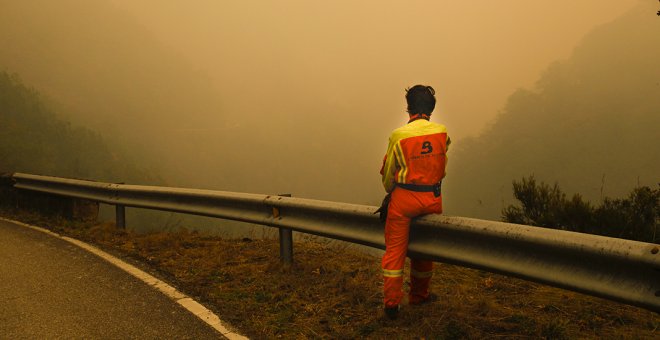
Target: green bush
{"points": [[635, 217]]}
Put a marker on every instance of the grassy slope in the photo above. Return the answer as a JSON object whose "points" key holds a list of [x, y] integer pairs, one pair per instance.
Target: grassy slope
{"points": [[334, 291]]}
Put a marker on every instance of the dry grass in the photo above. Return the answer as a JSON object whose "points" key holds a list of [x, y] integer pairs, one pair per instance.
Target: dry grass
{"points": [[333, 291]]}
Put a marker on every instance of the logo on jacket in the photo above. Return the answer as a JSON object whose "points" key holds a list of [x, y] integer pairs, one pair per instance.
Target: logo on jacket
{"points": [[427, 147]]}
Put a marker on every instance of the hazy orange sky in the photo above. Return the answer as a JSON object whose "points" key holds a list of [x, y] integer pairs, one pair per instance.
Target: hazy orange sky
{"points": [[301, 96], [474, 53]]}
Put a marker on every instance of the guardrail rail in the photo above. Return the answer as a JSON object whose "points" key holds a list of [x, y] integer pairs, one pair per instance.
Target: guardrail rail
{"points": [[616, 269]]}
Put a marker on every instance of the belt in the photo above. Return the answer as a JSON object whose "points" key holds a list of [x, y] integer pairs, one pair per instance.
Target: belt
{"points": [[435, 188]]}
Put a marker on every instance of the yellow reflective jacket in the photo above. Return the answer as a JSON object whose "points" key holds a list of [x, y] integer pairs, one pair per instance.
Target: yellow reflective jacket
{"points": [[416, 154]]}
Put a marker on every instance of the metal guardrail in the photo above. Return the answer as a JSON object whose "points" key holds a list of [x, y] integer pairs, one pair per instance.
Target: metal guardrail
{"points": [[621, 270]]}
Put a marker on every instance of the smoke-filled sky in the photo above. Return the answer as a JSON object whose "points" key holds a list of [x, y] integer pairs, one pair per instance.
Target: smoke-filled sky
{"points": [[300, 96], [475, 53]]}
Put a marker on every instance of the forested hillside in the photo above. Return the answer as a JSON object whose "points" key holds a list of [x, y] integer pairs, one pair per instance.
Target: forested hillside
{"points": [[591, 123], [34, 140], [107, 72]]}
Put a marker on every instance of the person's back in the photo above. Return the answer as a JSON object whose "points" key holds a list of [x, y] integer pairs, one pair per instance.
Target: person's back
{"points": [[412, 172], [419, 149]]}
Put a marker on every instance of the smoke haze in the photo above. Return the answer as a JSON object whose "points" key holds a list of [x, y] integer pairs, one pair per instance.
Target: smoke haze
{"points": [[286, 96], [344, 52]]}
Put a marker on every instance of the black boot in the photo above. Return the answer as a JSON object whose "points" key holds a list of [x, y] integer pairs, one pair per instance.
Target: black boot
{"points": [[392, 312]]}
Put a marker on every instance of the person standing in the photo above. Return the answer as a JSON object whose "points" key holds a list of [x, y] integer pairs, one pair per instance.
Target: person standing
{"points": [[412, 173]]}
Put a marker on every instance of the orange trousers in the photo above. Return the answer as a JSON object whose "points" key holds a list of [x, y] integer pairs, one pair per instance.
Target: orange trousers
{"points": [[404, 206]]}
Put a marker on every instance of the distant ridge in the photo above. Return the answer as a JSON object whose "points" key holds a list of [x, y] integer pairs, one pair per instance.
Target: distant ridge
{"points": [[106, 71], [590, 124], [33, 139]]}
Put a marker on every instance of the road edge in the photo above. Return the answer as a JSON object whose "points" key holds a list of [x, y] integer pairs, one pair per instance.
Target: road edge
{"points": [[182, 299]]}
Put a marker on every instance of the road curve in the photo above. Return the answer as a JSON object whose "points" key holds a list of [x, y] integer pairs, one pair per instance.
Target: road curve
{"points": [[50, 288]]}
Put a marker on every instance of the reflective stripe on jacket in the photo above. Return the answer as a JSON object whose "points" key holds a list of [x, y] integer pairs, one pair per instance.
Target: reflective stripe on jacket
{"points": [[416, 154]]}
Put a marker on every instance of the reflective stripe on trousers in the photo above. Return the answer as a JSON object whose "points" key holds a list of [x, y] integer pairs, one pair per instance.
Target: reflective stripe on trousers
{"points": [[404, 206]]}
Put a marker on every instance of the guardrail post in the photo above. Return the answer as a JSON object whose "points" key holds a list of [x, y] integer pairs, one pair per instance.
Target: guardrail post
{"points": [[286, 243], [286, 246], [120, 216]]}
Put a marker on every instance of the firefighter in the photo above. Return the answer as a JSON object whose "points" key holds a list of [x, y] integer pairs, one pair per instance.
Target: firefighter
{"points": [[412, 173]]}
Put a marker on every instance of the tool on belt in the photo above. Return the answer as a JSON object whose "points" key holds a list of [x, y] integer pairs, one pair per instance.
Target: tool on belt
{"points": [[383, 208]]}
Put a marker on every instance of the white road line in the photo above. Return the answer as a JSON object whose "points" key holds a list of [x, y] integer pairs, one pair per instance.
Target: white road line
{"points": [[185, 301]]}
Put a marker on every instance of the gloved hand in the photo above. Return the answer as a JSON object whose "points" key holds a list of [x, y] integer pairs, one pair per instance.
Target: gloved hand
{"points": [[383, 207]]}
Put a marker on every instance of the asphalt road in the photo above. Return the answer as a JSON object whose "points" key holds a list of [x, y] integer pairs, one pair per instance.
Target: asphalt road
{"points": [[50, 288]]}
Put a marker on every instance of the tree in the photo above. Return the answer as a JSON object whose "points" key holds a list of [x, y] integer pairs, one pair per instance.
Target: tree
{"points": [[34, 139]]}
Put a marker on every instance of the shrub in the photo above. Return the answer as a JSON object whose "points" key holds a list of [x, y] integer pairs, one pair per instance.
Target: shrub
{"points": [[634, 218]]}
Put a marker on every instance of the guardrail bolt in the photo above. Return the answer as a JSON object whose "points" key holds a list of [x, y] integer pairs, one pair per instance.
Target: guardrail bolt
{"points": [[120, 216], [286, 242]]}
